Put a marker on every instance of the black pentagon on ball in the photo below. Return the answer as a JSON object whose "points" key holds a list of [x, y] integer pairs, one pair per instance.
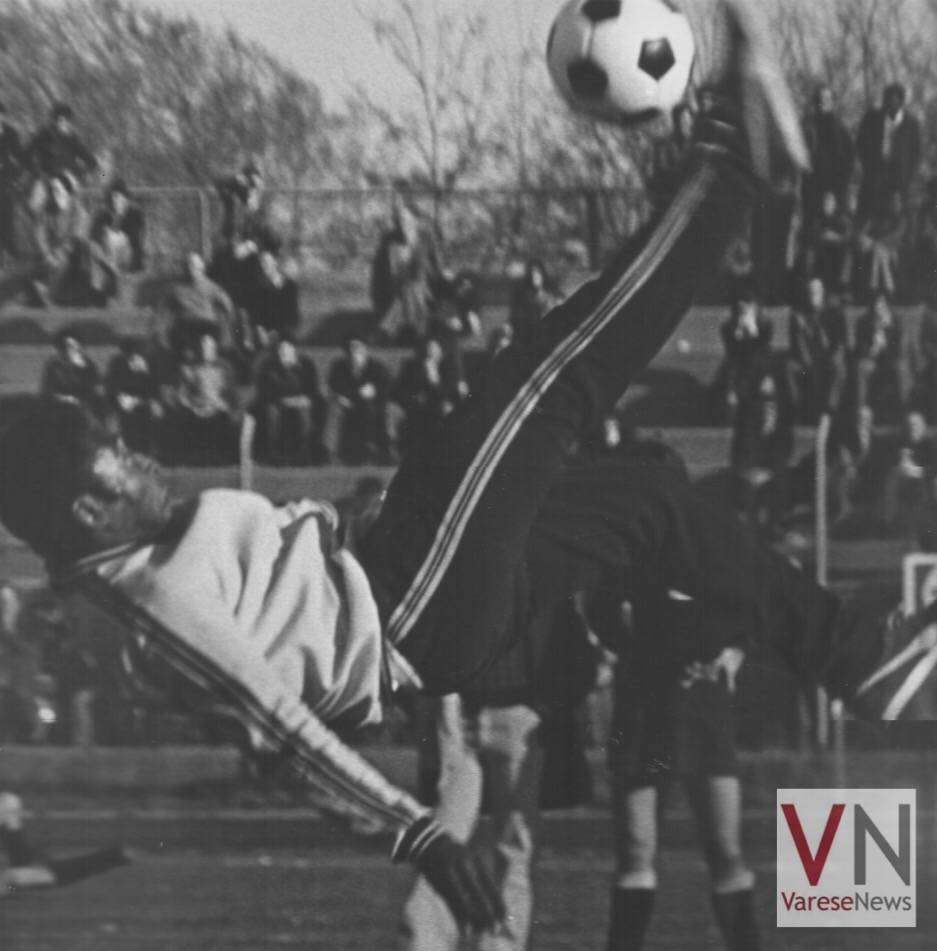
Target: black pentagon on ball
{"points": [[587, 80], [599, 10], [656, 58]]}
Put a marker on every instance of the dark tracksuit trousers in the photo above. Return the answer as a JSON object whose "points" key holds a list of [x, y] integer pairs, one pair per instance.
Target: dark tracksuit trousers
{"points": [[491, 521]]}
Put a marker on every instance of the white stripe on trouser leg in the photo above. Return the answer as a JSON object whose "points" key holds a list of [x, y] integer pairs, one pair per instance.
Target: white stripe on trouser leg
{"points": [[452, 528]]}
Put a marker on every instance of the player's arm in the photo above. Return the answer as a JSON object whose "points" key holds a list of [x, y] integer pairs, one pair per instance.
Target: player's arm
{"points": [[202, 647]]}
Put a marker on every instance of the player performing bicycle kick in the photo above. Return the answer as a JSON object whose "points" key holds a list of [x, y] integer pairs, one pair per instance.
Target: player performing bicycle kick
{"points": [[261, 609]]}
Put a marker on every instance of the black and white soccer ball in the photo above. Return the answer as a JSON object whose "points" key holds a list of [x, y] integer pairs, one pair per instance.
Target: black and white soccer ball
{"points": [[621, 60]]}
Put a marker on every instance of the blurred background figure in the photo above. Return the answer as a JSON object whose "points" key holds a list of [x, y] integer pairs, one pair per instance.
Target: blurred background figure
{"points": [[19, 671]]}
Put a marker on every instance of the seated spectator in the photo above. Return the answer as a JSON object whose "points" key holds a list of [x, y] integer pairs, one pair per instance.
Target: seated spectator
{"points": [[273, 305], [762, 446], [289, 405], [817, 362], [851, 470], [908, 483], [924, 394], [531, 299], [60, 230], [458, 305], [427, 391], [57, 152], [70, 374], [359, 385], [133, 390], [195, 305], [404, 268], [206, 419], [746, 342], [830, 247], [116, 240], [881, 241], [881, 358]]}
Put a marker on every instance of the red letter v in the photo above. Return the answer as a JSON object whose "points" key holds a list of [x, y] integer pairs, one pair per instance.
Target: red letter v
{"points": [[813, 864]]}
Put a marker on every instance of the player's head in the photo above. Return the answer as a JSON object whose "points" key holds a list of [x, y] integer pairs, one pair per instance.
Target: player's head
{"points": [[69, 488]]}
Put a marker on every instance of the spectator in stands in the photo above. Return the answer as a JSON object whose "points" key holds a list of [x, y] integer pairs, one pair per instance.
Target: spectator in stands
{"points": [[908, 483], [289, 404], [359, 387], [881, 356], [207, 412], [832, 155], [881, 241], [116, 240], [427, 391], [924, 395], [133, 390], [531, 298], [889, 149], [499, 340], [12, 163], [57, 152], [830, 244], [746, 342], [70, 374], [246, 233], [762, 446], [458, 306], [854, 478], [19, 669], [273, 305], [61, 235], [196, 305], [817, 363], [926, 239], [405, 266]]}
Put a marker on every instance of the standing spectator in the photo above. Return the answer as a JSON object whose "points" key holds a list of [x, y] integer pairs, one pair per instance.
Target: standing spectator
{"points": [[60, 230], [881, 355], [746, 343], [762, 446], [133, 390], [908, 482], [70, 374], [830, 244], [359, 386], [531, 298], [196, 305], [881, 241], [817, 362], [289, 404], [405, 266], [427, 391], [57, 152], [832, 155], [273, 303], [116, 237], [12, 163], [207, 412], [19, 668], [851, 444], [889, 148]]}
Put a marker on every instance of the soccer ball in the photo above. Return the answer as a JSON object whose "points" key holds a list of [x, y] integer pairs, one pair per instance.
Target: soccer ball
{"points": [[622, 60]]}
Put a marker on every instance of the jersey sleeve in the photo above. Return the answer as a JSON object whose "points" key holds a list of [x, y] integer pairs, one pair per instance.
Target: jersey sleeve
{"points": [[198, 645]]}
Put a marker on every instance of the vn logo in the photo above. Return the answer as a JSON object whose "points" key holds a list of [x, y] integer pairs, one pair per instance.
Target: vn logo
{"points": [[846, 858]]}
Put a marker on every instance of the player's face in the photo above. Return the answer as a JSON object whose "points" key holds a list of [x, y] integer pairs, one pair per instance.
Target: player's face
{"points": [[129, 499]]}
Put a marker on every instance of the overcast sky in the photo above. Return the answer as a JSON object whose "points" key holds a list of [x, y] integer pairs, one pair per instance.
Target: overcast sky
{"points": [[330, 41]]}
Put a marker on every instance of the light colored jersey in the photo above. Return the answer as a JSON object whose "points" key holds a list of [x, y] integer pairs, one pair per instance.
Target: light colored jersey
{"points": [[282, 622]]}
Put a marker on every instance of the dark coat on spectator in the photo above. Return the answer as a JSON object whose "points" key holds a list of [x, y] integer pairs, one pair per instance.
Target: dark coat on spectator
{"points": [[63, 379], [832, 155], [881, 176], [276, 382], [818, 338], [274, 309], [53, 153], [343, 383]]}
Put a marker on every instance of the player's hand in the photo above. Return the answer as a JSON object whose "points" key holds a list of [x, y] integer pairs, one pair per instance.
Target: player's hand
{"points": [[455, 872], [736, 58]]}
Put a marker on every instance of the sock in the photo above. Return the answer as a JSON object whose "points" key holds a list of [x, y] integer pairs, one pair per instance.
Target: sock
{"points": [[17, 847], [84, 866], [735, 913], [630, 917]]}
